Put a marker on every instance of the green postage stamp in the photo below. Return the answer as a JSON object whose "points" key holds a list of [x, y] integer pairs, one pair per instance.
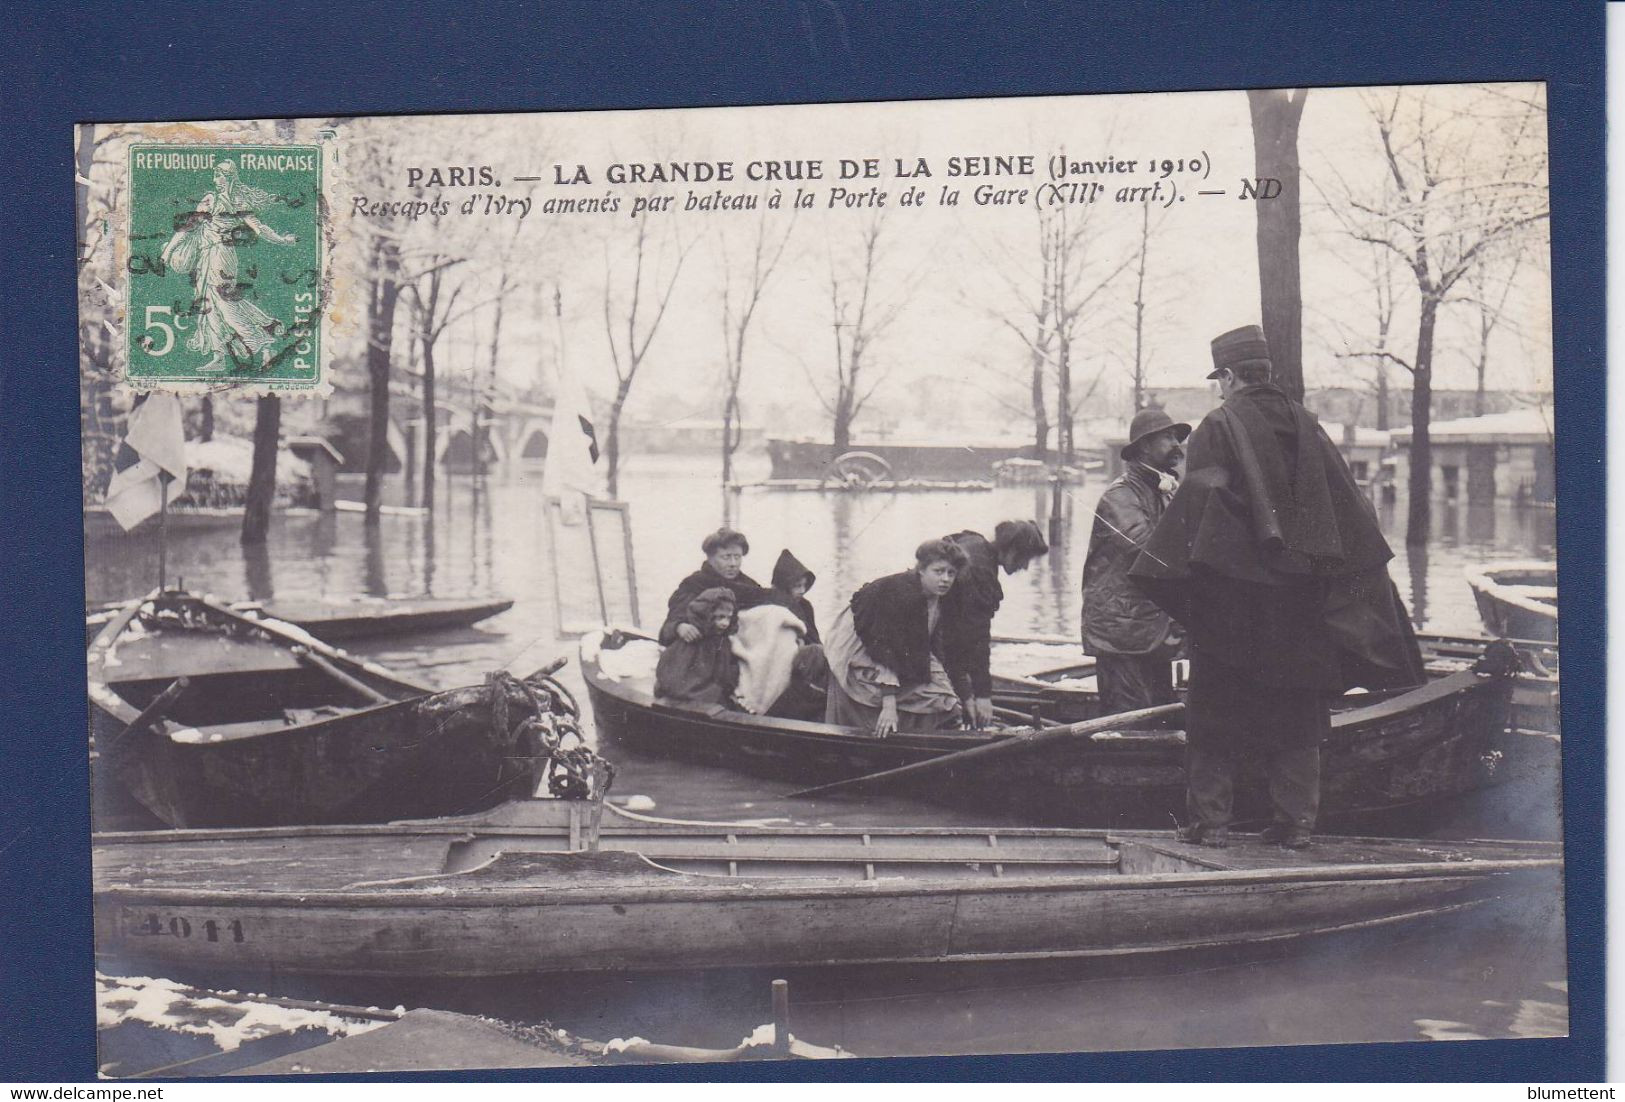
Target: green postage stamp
{"points": [[225, 273]]}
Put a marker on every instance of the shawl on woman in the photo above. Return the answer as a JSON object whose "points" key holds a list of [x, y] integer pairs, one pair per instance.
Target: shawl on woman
{"points": [[890, 616]]}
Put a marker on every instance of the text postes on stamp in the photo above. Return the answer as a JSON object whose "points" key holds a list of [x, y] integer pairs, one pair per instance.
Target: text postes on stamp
{"points": [[225, 266]]}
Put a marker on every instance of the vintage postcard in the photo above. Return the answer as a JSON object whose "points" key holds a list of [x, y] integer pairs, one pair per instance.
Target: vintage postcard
{"points": [[799, 582]]}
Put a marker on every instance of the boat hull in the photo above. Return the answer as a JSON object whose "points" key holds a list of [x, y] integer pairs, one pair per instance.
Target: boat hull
{"points": [[1517, 600], [1391, 767], [276, 729], [654, 900]]}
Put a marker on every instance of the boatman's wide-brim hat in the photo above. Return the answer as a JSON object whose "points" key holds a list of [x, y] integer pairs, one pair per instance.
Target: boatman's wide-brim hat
{"points": [[1237, 347], [1149, 422]]}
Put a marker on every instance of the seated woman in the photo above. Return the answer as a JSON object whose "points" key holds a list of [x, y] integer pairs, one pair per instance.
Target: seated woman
{"points": [[725, 551], [885, 649], [702, 670]]}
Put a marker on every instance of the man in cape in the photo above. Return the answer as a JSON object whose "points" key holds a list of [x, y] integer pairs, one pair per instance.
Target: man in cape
{"points": [[1271, 558]]}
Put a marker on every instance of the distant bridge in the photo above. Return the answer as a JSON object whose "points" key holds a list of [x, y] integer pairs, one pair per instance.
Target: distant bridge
{"points": [[513, 429]]}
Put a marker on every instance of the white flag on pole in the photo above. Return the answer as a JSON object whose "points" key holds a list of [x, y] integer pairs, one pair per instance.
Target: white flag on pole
{"points": [[153, 451], [573, 463]]}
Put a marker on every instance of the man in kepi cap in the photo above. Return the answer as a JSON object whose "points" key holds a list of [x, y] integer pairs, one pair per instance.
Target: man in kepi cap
{"points": [[1131, 638], [1271, 559]]}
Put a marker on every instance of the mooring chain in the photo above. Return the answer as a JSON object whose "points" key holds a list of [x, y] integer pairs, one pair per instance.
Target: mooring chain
{"points": [[574, 770]]}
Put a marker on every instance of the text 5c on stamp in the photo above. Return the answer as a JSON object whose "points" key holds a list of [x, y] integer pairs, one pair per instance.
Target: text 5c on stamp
{"points": [[225, 266]]}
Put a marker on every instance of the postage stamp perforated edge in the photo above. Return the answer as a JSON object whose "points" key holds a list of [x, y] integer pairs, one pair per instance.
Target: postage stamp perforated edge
{"points": [[330, 289]]}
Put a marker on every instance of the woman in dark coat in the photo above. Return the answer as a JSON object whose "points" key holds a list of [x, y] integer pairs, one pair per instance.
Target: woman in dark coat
{"points": [[725, 551], [886, 650]]}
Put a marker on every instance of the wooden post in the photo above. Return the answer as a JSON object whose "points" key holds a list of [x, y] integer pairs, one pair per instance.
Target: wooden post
{"points": [[781, 1017]]}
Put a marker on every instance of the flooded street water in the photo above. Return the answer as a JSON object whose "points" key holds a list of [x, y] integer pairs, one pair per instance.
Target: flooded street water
{"points": [[1497, 972]]}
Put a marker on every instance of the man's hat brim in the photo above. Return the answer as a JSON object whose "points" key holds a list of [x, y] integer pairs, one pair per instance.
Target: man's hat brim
{"points": [[1181, 432]]}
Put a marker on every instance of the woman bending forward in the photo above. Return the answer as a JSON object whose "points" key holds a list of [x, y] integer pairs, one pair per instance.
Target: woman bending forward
{"points": [[885, 649]]}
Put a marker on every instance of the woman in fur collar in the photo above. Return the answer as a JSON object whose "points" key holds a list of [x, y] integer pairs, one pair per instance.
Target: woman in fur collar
{"points": [[885, 649]]}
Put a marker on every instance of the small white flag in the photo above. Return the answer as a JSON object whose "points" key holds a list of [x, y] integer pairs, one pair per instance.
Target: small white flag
{"points": [[573, 466], [152, 453]]}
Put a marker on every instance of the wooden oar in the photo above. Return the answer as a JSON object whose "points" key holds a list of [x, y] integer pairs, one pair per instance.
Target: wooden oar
{"points": [[354, 684], [1011, 745], [152, 713]]}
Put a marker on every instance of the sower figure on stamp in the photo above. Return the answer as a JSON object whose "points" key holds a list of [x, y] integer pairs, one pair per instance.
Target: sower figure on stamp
{"points": [[1131, 638], [1272, 560]]}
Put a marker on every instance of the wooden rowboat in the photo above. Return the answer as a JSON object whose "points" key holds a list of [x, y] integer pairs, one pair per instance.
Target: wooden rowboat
{"points": [[1517, 599], [208, 717], [521, 890], [1390, 764], [1066, 693], [360, 618]]}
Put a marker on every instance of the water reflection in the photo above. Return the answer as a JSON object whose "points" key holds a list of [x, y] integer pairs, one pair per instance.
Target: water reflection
{"points": [[489, 539], [1416, 567], [375, 583], [257, 572]]}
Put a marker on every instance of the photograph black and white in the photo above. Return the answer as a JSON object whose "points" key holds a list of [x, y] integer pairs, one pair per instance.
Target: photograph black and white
{"points": [[924, 578]]}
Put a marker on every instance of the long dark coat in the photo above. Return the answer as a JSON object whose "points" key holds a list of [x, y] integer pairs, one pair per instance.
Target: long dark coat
{"points": [[1271, 557], [971, 605], [1118, 617]]}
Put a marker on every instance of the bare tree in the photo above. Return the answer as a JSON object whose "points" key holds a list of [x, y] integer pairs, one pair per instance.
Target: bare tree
{"points": [[1078, 281], [1026, 315], [1275, 114], [738, 311], [383, 295], [1369, 344], [434, 298], [1464, 176], [1487, 293], [629, 325], [861, 306]]}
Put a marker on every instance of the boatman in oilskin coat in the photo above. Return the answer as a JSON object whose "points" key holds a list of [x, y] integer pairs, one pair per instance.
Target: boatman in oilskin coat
{"points": [[1271, 558], [1133, 640]]}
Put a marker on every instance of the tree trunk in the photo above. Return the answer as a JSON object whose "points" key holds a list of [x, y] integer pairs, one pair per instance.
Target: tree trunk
{"points": [[1383, 401], [1275, 115], [428, 420], [1420, 517], [206, 428], [730, 441], [262, 476], [1040, 413], [380, 336], [612, 446], [1063, 402], [843, 422]]}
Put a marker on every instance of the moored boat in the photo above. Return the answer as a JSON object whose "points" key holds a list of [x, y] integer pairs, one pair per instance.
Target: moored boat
{"points": [[357, 618], [532, 888], [1029, 677], [1517, 599], [209, 717], [1392, 762]]}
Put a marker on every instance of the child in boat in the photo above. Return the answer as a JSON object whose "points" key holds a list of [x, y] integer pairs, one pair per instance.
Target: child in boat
{"points": [[704, 671], [791, 581]]}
